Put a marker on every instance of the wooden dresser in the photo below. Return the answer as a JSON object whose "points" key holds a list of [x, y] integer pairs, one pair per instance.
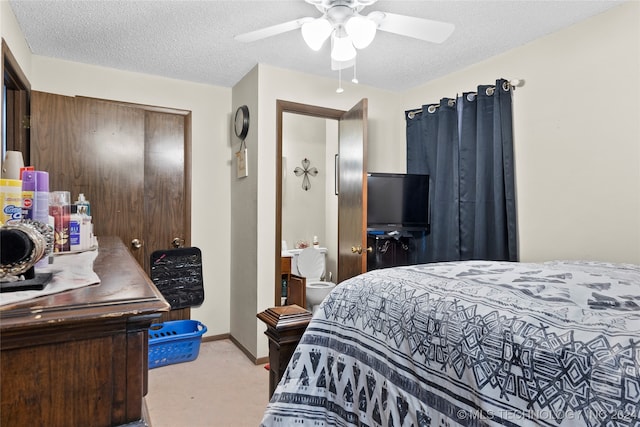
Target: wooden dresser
{"points": [[79, 358]]}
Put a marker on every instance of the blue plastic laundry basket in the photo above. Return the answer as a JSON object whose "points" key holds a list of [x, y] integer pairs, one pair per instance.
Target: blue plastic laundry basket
{"points": [[174, 342]]}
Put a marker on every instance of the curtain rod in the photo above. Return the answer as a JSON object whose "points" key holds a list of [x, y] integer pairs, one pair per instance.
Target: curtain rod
{"points": [[432, 108]]}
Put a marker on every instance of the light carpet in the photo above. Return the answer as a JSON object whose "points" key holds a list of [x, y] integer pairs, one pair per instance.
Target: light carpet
{"points": [[221, 388]]}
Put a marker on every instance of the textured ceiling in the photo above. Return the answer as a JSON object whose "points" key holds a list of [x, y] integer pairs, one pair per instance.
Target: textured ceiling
{"points": [[193, 40]]}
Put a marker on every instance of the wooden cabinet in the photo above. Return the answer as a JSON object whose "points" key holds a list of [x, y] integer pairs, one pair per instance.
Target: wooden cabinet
{"points": [[296, 286], [285, 266], [80, 358]]}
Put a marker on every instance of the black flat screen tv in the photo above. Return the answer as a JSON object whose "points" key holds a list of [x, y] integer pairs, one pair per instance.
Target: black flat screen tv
{"points": [[397, 201]]}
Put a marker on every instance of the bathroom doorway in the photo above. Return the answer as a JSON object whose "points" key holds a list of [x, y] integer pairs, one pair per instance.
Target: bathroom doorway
{"points": [[343, 222], [309, 199]]}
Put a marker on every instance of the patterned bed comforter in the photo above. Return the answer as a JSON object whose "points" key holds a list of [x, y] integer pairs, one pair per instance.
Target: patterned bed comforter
{"points": [[470, 343]]}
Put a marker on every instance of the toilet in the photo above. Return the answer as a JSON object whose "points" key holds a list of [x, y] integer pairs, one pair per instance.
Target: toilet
{"points": [[311, 264]]}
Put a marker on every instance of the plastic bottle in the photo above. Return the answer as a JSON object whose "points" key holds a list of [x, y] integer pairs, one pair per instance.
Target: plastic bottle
{"points": [[75, 229], [11, 195], [84, 207], [86, 233]]}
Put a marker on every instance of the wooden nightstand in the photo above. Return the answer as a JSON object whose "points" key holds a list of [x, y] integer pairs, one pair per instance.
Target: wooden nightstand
{"points": [[285, 326]]}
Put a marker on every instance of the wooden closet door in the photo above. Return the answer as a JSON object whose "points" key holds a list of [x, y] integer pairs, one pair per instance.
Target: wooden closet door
{"points": [[164, 182], [128, 160], [109, 158], [95, 148]]}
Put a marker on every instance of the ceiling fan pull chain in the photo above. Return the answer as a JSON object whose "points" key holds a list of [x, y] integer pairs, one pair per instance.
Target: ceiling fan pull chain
{"points": [[354, 79], [339, 90]]}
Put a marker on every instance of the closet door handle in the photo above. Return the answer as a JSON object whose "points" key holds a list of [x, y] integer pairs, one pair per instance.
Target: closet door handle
{"points": [[136, 243], [177, 242]]}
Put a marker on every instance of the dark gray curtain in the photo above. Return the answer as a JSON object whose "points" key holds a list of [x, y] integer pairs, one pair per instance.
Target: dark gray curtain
{"points": [[466, 146]]}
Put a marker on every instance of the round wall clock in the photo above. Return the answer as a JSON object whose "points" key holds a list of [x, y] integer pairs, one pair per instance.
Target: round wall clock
{"points": [[241, 122]]}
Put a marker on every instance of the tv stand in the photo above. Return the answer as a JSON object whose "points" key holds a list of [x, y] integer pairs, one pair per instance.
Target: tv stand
{"points": [[391, 249]]}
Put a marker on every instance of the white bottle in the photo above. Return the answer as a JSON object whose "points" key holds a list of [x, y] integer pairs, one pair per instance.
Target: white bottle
{"points": [[316, 244], [86, 237], [75, 231]]}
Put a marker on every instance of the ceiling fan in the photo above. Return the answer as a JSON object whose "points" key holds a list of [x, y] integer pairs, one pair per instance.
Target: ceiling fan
{"points": [[349, 30]]}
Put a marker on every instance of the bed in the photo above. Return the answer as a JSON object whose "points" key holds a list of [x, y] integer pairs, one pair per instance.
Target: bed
{"points": [[470, 343]]}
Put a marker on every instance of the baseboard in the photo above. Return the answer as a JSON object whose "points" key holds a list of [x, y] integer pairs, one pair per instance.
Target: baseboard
{"points": [[256, 361], [216, 337]]}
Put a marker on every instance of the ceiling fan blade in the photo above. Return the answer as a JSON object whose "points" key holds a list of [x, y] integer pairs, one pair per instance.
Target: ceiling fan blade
{"points": [[273, 30], [410, 26]]}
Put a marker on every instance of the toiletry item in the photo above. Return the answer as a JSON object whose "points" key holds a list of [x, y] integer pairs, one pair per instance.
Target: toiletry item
{"points": [[75, 229], [316, 244], [28, 193], [60, 209], [84, 207], [11, 165], [11, 198], [35, 195], [87, 239], [285, 287]]}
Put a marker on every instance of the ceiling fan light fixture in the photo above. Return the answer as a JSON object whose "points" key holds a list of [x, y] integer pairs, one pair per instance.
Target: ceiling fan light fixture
{"points": [[316, 32], [361, 30], [342, 49]]}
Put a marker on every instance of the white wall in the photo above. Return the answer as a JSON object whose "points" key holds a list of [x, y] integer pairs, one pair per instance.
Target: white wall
{"points": [[14, 38], [303, 212], [244, 221], [577, 136]]}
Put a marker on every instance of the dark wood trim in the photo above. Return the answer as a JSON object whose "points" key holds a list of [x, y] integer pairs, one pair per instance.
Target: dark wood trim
{"points": [[187, 178], [12, 68], [219, 337], [146, 107], [18, 98], [306, 110]]}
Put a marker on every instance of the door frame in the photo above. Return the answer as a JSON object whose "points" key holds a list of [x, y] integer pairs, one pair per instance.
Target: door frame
{"points": [[306, 110], [17, 104]]}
